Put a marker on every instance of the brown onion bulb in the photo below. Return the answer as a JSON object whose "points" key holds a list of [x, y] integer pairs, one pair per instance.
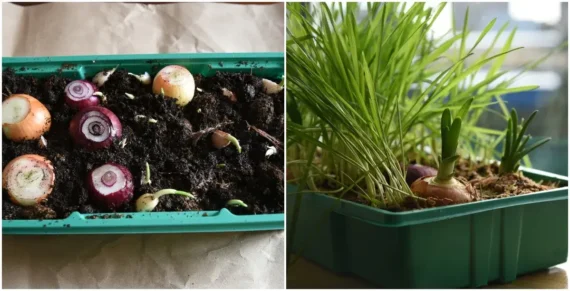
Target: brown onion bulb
{"points": [[175, 82], [29, 179], [452, 192], [24, 118]]}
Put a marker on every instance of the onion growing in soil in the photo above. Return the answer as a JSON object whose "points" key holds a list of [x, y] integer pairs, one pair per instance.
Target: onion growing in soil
{"points": [[79, 94], [175, 82], [271, 87], [24, 118], [144, 78], [110, 185], [221, 139], [147, 202], [29, 179], [101, 78], [443, 188], [416, 171], [95, 127]]}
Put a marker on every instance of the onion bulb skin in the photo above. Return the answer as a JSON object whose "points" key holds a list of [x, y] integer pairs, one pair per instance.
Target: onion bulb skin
{"points": [[451, 192], [24, 118], [28, 179], [110, 185], [416, 171], [175, 82], [95, 127]]}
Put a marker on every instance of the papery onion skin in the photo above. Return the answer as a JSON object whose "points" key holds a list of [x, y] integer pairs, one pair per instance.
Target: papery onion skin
{"points": [[101, 114], [32, 126], [177, 82], [453, 192], [8, 179], [219, 139], [117, 198], [416, 171], [88, 99]]}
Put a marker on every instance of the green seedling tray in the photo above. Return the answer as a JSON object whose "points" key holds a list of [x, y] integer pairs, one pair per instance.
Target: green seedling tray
{"points": [[267, 65], [457, 246]]}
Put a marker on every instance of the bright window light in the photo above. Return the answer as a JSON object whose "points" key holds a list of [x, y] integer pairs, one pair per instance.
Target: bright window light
{"points": [[546, 12]]}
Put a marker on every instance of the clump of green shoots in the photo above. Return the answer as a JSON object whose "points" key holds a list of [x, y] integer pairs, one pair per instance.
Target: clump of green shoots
{"points": [[515, 143], [444, 188]]}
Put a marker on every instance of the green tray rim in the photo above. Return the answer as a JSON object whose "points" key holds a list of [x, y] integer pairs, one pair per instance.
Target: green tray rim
{"points": [[154, 222], [387, 218]]}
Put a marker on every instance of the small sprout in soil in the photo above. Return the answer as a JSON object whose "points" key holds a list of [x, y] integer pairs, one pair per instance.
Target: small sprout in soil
{"points": [[144, 78], [130, 96], [444, 188], [146, 177], [123, 143], [231, 96], [103, 76], [270, 151], [28, 179], [152, 120], [271, 87], [199, 90], [221, 139], [162, 92], [516, 140], [199, 110], [236, 203], [103, 97], [147, 202], [220, 166], [42, 142], [139, 117]]}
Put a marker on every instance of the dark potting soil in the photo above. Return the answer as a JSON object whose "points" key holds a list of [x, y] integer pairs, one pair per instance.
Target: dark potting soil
{"points": [[179, 158]]}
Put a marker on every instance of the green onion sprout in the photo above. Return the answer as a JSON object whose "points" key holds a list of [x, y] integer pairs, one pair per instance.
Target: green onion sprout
{"points": [[236, 203], [147, 202], [516, 140]]}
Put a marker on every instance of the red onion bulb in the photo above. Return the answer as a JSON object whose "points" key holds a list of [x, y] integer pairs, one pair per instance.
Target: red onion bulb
{"points": [[416, 171], [95, 127], [79, 94], [110, 185]]}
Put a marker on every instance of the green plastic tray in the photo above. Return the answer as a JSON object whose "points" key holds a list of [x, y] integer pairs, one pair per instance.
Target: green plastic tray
{"points": [[466, 245], [268, 65]]}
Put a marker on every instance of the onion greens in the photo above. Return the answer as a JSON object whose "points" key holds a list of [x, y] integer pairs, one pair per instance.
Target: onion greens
{"points": [[515, 142]]}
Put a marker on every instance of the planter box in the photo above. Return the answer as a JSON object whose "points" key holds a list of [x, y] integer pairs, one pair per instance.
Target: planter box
{"points": [[268, 65], [466, 245]]}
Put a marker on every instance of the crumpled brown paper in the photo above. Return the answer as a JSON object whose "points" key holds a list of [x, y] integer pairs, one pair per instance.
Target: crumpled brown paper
{"points": [[121, 28], [225, 260]]}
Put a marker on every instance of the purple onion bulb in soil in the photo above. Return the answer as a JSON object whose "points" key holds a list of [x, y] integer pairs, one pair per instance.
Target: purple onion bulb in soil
{"points": [[110, 185], [416, 171], [79, 94], [95, 127]]}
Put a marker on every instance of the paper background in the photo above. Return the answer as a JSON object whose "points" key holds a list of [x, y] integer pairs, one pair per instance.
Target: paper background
{"points": [[228, 260]]}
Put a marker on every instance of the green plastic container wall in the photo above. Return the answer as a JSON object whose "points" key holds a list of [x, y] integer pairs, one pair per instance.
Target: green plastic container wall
{"points": [[267, 65], [467, 245]]}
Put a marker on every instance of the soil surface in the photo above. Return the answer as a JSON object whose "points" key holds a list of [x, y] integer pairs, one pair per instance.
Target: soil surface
{"points": [[178, 147], [484, 178]]}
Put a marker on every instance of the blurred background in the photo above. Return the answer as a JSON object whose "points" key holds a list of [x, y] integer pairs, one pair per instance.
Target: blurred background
{"points": [[540, 29]]}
